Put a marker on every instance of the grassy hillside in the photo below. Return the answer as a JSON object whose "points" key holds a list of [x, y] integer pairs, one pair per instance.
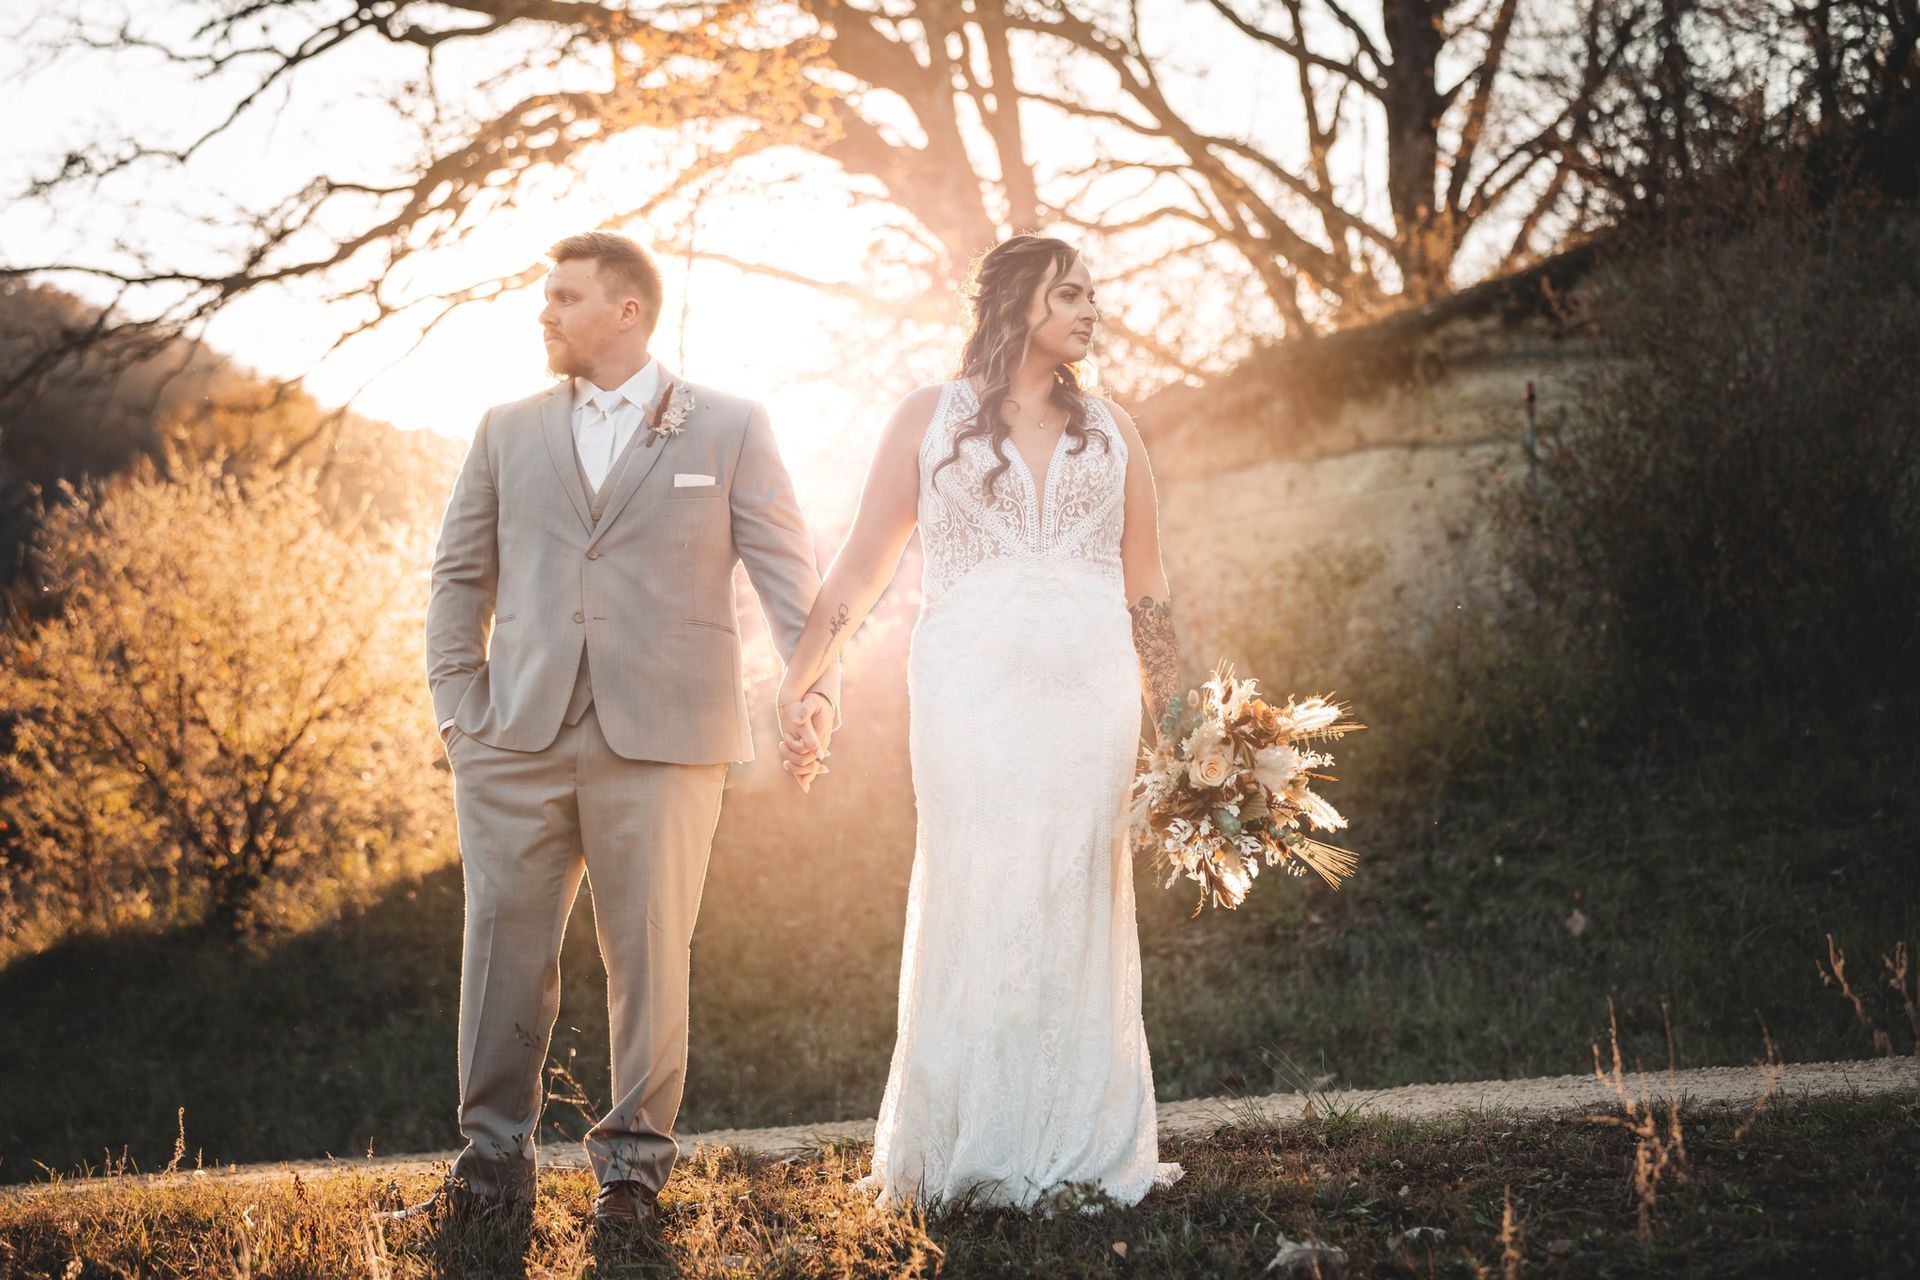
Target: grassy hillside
{"points": [[1483, 943]]}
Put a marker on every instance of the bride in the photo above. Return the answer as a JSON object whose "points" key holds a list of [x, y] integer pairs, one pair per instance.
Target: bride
{"points": [[1020, 1071]]}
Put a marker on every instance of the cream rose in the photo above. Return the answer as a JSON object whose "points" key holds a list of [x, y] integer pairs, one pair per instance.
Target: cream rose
{"points": [[1211, 761]]}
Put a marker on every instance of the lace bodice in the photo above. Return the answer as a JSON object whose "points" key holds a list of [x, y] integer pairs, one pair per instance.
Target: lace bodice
{"points": [[961, 527]]}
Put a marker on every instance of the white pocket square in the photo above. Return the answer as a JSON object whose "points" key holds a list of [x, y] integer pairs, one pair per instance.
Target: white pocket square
{"points": [[682, 480]]}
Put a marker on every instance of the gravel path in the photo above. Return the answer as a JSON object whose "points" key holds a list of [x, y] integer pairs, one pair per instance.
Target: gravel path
{"points": [[1542, 1096]]}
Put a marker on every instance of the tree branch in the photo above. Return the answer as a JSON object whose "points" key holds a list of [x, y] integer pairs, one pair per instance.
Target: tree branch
{"points": [[1295, 47], [1484, 76]]}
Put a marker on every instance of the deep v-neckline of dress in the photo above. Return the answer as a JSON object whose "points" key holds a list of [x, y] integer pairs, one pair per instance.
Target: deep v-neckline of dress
{"points": [[1041, 486], [1040, 489]]}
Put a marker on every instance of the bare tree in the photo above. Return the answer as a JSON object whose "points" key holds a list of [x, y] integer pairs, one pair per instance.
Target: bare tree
{"points": [[948, 122], [1695, 87], [1447, 163]]}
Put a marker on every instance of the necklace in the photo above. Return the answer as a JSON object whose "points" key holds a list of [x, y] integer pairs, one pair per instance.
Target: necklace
{"points": [[1039, 422]]}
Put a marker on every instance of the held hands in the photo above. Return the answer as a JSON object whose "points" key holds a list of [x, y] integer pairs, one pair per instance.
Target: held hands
{"points": [[806, 728]]}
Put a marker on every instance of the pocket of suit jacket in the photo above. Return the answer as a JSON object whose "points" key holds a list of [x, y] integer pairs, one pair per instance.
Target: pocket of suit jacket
{"points": [[694, 489]]}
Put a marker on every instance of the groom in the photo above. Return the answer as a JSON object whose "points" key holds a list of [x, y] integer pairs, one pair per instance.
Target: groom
{"points": [[584, 661]]}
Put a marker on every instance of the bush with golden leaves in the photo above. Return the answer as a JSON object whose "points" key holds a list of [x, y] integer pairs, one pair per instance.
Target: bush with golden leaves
{"points": [[220, 710]]}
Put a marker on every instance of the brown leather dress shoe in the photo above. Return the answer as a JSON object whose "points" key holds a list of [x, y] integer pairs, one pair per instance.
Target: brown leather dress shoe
{"points": [[452, 1203], [625, 1205]]}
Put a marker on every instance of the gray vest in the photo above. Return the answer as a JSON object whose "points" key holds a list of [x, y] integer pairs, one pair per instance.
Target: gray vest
{"points": [[596, 505]]}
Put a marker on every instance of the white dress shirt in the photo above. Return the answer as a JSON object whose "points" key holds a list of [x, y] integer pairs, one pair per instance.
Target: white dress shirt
{"points": [[603, 422]]}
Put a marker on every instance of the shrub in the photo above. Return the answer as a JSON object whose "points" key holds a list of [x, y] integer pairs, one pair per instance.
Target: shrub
{"points": [[1736, 522], [224, 703]]}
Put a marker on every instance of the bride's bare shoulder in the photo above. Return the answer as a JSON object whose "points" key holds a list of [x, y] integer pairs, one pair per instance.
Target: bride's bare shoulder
{"points": [[922, 402], [915, 413]]}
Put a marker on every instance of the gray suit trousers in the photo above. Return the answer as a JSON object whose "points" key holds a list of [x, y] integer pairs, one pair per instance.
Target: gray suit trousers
{"points": [[531, 823]]}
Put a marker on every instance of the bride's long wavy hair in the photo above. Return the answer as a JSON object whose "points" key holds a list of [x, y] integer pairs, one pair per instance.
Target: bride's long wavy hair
{"points": [[1001, 289]]}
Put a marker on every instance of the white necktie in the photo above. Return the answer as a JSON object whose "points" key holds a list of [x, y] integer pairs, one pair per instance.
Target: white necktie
{"points": [[597, 436]]}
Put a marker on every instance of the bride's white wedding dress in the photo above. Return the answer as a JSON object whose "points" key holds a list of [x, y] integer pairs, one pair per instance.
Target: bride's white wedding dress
{"points": [[1021, 1066]]}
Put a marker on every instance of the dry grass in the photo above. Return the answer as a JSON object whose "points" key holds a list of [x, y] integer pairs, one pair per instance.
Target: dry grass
{"points": [[1901, 981], [1817, 1188], [1513, 1239], [1659, 1150]]}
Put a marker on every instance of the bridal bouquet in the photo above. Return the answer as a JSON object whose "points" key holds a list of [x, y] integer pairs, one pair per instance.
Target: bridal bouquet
{"points": [[1233, 790]]}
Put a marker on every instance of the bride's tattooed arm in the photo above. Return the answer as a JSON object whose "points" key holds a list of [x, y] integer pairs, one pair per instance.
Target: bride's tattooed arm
{"points": [[1159, 652]]}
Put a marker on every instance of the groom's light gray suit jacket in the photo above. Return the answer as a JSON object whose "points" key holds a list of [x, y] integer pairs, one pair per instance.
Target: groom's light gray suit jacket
{"points": [[643, 596]]}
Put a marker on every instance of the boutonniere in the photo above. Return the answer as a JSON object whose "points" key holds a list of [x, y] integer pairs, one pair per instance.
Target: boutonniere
{"points": [[670, 415]]}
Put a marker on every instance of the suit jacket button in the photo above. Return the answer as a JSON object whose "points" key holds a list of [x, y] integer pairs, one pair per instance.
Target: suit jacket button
{"points": [[579, 617], [593, 555]]}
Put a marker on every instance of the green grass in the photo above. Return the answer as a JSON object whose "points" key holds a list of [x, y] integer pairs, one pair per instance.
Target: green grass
{"points": [[1449, 957], [1828, 1187]]}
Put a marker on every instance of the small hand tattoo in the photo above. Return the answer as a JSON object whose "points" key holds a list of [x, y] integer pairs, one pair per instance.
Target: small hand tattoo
{"points": [[1159, 651], [837, 621]]}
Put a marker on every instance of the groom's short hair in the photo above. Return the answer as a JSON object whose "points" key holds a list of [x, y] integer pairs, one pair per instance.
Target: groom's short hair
{"points": [[622, 263]]}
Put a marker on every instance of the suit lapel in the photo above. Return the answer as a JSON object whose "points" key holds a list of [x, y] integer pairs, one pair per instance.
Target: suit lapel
{"points": [[556, 424], [643, 460]]}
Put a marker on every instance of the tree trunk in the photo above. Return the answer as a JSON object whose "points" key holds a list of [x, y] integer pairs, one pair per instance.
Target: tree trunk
{"points": [[1413, 107]]}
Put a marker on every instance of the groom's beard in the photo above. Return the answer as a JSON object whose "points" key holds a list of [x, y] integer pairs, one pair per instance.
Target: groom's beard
{"points": [[560, 362]]}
